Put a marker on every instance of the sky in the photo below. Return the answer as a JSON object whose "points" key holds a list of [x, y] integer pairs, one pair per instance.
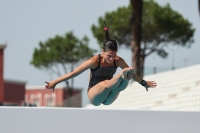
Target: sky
{"points": [[23, 24]]}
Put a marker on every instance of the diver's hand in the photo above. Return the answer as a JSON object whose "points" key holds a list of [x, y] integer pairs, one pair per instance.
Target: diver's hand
{"points": [[50, 85], [151, 84], [147, 84]]}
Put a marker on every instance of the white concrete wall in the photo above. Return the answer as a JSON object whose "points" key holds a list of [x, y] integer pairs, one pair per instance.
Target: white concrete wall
{"points": [[72, 120]]}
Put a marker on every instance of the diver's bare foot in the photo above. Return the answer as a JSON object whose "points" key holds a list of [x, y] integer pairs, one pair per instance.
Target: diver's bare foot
{"points": [[124, 72]]}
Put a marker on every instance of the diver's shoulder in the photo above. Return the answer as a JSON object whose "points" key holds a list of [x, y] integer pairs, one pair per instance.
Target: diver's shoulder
{"points": [[118, 58]]}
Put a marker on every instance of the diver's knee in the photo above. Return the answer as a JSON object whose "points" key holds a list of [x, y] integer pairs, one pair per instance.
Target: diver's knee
{"points": [[106, 102], [96, 103]]}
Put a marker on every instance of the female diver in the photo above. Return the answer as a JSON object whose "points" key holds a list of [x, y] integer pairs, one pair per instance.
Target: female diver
{"points": [[103, 87]]}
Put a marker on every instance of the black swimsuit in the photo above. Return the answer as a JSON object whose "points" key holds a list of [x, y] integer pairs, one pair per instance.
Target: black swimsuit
{"points": [[101, 73]]}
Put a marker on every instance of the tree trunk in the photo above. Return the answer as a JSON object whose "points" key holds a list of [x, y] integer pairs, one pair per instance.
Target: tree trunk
{"points": [[136, 27], [68, 94], [70, 89], [72, 80]]}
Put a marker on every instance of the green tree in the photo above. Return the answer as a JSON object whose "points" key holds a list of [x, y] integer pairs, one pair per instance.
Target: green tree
{"points": [[61, 51], [161, 26]]}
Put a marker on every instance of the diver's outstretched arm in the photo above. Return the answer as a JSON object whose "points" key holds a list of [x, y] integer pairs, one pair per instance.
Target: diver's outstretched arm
{"points": [[84, 66]]}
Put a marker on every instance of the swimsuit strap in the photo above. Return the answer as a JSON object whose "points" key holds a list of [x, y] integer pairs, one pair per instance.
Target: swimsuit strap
{"points": [[99, 61]]}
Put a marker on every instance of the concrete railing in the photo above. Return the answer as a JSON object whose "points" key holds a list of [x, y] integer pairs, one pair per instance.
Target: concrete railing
{"points": [[78, 120]]}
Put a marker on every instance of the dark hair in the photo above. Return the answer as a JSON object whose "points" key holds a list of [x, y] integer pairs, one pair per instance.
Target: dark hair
{"points": [[109, 44]]}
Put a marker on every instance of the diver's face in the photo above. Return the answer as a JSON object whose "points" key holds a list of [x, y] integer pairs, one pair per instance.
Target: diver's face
{"points": [[109, 56]]}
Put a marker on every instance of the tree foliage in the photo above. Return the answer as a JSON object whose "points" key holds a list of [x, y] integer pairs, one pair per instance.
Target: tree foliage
{"points": [[61, 50], [161, 26]]}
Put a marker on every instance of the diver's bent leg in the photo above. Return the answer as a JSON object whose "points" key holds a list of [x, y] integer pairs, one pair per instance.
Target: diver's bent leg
{"points": [[112, 96], [98, 93]]}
